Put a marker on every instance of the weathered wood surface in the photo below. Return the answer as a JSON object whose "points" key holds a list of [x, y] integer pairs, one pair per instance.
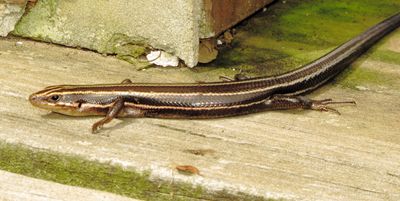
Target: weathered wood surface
{"points": [[15, 187], [301, 155]]}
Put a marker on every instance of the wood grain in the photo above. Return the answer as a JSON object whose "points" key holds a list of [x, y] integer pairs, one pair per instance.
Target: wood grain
{"points": [[300, 155]]}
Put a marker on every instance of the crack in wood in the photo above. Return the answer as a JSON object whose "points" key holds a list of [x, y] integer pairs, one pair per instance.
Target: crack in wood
{"points": [[182, 131], [393, 175], [313, 178]]}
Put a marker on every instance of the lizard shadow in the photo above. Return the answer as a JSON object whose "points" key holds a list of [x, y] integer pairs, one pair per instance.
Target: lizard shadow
{"points": [[104, 131]]}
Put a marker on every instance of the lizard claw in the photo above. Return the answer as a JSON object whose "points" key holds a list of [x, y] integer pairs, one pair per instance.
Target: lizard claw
{"points": [[96, 127], [322, 105]]}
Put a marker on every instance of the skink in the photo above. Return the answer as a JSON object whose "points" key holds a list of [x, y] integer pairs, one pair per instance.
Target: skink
{"points": [[214, 99]]}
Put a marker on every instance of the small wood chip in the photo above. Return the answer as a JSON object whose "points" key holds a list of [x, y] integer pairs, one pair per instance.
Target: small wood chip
{"points": [[228, 37], [187, 169], [207, 50]]}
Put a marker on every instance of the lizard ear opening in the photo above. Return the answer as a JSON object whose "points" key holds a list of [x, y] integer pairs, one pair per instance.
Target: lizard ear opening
{"points": [[80, 102]]}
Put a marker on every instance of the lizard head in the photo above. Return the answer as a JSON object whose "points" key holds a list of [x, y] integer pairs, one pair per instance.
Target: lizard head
{"points": [[62, 99]]}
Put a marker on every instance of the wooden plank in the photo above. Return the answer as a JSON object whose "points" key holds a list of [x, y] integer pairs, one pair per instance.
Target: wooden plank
{"points": [[15, 187], [300, 155]]}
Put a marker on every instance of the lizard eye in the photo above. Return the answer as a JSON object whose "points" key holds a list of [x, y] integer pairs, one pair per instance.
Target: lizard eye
{"points": [[54, 98]]}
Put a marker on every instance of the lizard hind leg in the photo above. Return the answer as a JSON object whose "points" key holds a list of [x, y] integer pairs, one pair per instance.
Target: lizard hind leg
{"points": [[281, 102], [322, 105]]}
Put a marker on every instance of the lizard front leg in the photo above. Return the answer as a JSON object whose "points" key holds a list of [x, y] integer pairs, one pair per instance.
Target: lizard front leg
{"points": [[113, 111]]}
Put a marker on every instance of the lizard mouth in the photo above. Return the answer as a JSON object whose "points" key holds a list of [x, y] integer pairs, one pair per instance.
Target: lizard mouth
{"points": [[35, 100], [41, 102]]}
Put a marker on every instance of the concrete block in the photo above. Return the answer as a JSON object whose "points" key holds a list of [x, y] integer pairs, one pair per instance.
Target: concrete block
{"points": [[174, 26], [108, 25], [10, 12]]}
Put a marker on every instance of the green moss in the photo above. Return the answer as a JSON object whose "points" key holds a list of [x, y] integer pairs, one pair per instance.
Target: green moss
{"points": [[45, 18], [327, 23], [357, 76], [125, 47], [263, 58], [291, 34], [386, 56], [46, 22], [76, 171]]}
